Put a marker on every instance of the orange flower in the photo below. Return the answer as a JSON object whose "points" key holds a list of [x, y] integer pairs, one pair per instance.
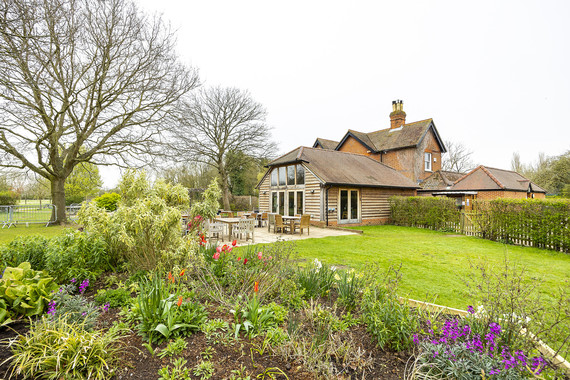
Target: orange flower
{"points": [[182, 273], [179, 301], [256, 287], [234, 243], [169, 276]]}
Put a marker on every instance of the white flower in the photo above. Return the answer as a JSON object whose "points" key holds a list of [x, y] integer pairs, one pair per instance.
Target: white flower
{"points": [[317, 264]]}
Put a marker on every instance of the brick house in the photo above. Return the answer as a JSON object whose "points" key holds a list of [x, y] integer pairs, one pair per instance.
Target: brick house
{"points": [[413, 149], [485, 183]]}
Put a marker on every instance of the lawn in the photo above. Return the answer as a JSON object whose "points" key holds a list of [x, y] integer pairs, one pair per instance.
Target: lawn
{"points": [[9, 234], [433, 263]]}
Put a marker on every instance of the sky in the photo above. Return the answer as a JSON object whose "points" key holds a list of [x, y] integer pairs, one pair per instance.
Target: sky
{"points": [[493, 75]]}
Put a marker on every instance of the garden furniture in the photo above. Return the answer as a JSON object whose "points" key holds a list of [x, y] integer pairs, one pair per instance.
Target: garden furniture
{"points": [[291, 220], [305, 222], [279, 224]]}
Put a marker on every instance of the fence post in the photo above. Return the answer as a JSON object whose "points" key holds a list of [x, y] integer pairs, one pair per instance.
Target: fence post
{"points": [[462, 223]]}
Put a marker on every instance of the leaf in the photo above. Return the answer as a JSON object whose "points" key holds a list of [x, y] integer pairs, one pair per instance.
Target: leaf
{"points": [[161, 328]]}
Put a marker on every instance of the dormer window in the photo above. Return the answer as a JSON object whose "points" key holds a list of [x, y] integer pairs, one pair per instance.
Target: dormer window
{"points": [[427, 161]]}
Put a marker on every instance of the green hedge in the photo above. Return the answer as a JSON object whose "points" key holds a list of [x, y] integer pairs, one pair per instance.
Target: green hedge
{"points": [[533, 222], [8, 198], [428, 212]]}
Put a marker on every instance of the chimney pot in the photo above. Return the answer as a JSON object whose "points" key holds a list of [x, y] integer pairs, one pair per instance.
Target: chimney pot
{"points": [[398, 116]]}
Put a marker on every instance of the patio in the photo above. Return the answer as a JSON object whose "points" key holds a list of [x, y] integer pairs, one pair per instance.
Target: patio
{"points": [[262, 236]]}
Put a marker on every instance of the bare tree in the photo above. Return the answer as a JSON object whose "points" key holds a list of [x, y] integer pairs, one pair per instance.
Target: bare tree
{"points": [[218, 121], [84, 81], [457, 159]]}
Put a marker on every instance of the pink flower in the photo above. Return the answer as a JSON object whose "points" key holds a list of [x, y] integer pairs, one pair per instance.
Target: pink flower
{"points": [[259, 255], [218, 250], [216, 256], [230, 249]]}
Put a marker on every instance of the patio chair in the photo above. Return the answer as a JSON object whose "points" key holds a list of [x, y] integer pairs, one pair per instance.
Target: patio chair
{"points": [[245, 228], [270, 221], [215, 229], [279, 224], [263, 218], [304, 223]]}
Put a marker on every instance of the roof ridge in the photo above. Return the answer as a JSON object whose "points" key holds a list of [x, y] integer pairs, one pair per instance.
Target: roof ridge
{"points": [[493, 177]]}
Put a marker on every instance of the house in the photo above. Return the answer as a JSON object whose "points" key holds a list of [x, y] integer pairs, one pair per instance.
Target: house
{"points": [[414, 149], [485, 183], [334, 187]]}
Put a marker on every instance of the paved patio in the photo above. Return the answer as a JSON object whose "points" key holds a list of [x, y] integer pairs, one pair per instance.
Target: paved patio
{"points": [[262, 236]]}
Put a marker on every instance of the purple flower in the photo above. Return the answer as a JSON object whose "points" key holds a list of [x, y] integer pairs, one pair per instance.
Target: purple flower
{"points": [[495, 328], [470, 309], [73, 280], [83, 285], [105, 307], [494, 371], [52, 309]]}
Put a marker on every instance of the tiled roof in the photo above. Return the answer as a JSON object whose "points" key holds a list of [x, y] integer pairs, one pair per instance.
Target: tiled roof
{"points": [[340, 168], [440, 180], [325, 144], [485, 178], [408, 135]]}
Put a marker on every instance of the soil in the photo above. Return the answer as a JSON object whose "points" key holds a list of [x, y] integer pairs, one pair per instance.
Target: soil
{"points": [[138, 363]]}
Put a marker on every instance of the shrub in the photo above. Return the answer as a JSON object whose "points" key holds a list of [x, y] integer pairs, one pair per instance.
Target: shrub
{"points": [[108, 201], [350, 285], [113, 297], [145, 231], [8, 198], [74, 199], [24, 291], [32, 249], [60, 349], [76, 254]]}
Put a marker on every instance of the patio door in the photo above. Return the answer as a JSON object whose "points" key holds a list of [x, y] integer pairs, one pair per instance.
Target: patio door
{"points": [[278, 202], [349, 207]]}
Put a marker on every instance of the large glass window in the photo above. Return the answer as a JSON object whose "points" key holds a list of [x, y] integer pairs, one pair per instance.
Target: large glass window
{"points": [[348, 206], [282, 203], [274, 177], [282, 176], [300, 175], [427, 159], [291, 203], [274, 202], [290, 175], [299, 202]]}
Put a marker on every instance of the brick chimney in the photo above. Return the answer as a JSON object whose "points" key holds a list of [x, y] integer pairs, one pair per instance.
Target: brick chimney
{"points": [[397, 116]]}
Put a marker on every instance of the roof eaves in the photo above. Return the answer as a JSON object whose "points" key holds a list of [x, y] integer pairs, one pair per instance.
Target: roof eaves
{"points": [[369, 185]]}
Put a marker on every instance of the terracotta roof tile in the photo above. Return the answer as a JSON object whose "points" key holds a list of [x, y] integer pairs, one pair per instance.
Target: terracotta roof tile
{"points": [[486, 178], [326, 144]]}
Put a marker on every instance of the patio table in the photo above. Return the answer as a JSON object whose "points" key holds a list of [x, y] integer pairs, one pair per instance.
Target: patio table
{"points": [[229, 222], [292, 220]]}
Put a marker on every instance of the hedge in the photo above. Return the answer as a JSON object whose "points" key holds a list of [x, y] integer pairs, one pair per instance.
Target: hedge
{"points": [[428, 212], [8, 198], [533, 222]]}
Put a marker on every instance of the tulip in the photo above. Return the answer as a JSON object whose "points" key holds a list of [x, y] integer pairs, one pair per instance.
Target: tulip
{"points": [[218, 250], [179, 301], [256, 287], [244, 261], [259, 255], [234, 243], [216, 256], [182, 273]]}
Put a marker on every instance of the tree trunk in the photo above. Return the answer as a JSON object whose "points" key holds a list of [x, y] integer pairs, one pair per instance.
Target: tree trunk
{"points": [[58, 199], [225, 187]]}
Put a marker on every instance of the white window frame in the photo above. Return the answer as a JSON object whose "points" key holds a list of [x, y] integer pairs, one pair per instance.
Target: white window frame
{"points": [[427, 162]]}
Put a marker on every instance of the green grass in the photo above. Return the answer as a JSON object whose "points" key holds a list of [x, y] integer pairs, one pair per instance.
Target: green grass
{"points": [[8, 234], [433, 263]]}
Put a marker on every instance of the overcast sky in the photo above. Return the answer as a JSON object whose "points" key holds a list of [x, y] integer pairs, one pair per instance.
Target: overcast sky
{"points": [[493, 75]]}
